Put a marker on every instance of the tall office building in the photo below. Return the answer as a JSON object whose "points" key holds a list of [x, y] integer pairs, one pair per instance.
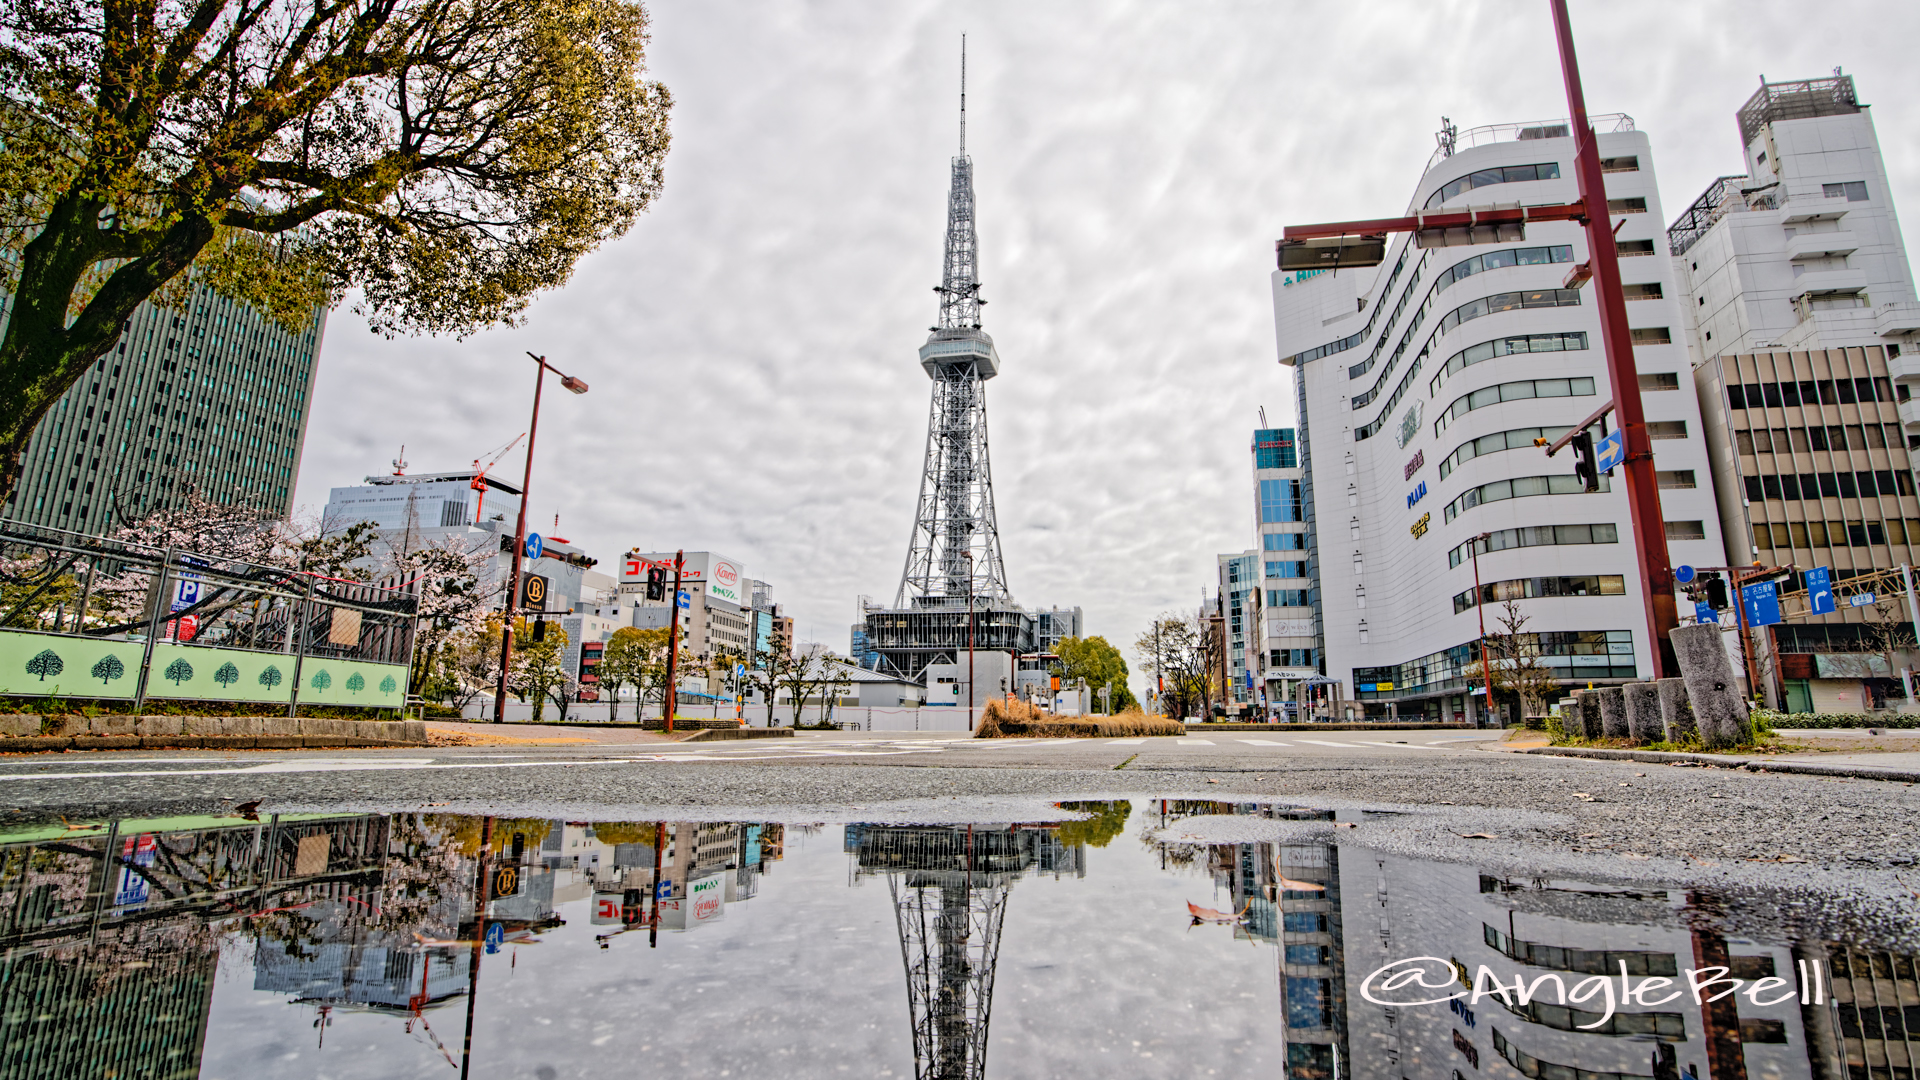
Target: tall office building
{"points": [[1802, 322], [212, 398], [1239, 600], [1422, 387], [1285, 627]]}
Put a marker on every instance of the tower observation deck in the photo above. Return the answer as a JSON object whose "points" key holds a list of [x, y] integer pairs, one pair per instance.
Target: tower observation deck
{"points": [[954, 566]]}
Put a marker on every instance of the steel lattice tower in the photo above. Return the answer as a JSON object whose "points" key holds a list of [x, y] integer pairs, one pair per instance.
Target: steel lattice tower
{"points": [[955, 549]]}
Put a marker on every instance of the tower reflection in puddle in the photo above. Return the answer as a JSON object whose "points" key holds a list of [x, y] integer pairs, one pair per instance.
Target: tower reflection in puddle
{"points": [[949, 887]]}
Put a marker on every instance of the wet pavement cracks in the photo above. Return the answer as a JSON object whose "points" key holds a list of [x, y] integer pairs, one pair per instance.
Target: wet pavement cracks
{"points": [[1035, 932]]}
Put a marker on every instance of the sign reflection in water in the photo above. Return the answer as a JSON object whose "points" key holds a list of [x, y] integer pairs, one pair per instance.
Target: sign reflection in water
{"points": [[111, 936]]}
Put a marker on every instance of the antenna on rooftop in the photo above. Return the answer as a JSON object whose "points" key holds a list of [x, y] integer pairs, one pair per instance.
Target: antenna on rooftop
{"points": [[1263, 416]]}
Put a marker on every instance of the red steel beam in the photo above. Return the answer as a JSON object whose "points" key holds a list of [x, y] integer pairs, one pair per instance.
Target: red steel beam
{"points": [[1643, 490], [1445, 219]]}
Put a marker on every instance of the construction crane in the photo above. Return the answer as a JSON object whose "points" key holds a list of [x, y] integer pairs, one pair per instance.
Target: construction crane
{"points": [[480, 476]]}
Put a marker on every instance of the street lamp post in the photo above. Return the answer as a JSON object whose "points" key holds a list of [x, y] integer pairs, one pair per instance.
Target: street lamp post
{"points": [[968, 555], [520, 532], [1480, 607]]}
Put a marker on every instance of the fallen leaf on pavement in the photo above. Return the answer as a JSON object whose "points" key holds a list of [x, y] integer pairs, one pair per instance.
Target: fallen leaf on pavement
{"points": [[1478, 836]]}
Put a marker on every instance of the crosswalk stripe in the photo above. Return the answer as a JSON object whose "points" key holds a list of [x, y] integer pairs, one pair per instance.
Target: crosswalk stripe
{"points": [[1191, 741], [1262, 742]]}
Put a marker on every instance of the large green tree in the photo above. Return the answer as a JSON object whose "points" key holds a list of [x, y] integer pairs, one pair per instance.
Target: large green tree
{"points": [[447, 159], [1099, 663]]}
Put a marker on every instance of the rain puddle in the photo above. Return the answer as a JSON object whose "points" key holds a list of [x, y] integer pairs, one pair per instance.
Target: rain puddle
{"points": [[1152, 938]]}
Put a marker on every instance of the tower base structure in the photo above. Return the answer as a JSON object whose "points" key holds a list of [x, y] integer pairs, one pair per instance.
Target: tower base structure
{"points": [[932, 631]]}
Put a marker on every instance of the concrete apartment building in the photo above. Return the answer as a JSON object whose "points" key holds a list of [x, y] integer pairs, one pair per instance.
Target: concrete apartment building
{"points": [[1802, 323], [212, 398], [1422, 385]]}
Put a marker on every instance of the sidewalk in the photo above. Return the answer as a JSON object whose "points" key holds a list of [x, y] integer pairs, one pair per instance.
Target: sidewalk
{"points": [[466, 733]]}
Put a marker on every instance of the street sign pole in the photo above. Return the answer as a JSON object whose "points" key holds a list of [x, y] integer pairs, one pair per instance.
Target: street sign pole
{"points": [[672, 694], [519, 551]]}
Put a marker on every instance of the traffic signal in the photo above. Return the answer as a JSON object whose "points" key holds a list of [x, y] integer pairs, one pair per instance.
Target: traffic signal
{"points": [[1584, 465], [656, 583], [1716, 587]]}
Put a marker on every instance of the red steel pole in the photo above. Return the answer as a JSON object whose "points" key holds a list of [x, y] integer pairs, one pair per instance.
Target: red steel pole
{"points": [[1643, 490], [519, 551]]}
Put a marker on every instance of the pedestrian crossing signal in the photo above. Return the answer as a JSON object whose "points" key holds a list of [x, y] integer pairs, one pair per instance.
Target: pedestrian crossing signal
{"points": [[656, 583], [1584, 465]]}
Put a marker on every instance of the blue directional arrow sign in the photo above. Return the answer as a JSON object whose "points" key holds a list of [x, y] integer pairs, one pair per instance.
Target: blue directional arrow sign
{"points": [[1762, 602], [534, 545], [685, 600], [1609, 452], [1704, 613], [1820, 590], [496, 934]]}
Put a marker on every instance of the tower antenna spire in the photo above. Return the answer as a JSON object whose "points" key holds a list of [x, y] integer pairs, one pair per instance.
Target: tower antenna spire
{"points": [[963, 95]]}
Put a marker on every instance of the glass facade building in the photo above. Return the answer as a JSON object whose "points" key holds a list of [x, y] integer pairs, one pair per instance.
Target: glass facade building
{"points": [[211, 398]]}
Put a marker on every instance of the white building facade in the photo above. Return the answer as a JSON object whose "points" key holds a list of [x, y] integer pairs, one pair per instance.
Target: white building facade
{"points": [[1422, 385]]}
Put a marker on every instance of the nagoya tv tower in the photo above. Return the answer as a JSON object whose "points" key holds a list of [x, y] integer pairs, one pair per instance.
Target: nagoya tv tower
{"points": [[954, 588], [955, 534]]}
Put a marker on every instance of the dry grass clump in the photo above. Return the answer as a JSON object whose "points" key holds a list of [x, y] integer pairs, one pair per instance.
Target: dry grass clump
{"points": [[1018, 719]]}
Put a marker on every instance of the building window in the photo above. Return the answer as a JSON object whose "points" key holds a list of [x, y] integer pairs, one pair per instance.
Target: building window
{"points": [[1487, 350], [1629, 248], [1537, 536], [1648, 291], [1660, 380], [1495, 592], [1677, 478], [1517, 439], [1494, 260], [1634, 205], [1666, 429], [1509, 301], [1279, 501], [1289, 541], [1274, 449], [1652, 335], [1514, 391], [1686, 530], [1620, 164], [1519, 488], [1511, 174], [1852, 191]]}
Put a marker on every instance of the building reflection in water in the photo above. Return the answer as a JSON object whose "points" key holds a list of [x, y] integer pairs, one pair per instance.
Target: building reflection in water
{"points": [[1336, 914], [949, 886]]}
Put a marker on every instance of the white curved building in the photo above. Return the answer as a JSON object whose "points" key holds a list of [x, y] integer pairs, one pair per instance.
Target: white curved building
{"points": [[1421, 385]]}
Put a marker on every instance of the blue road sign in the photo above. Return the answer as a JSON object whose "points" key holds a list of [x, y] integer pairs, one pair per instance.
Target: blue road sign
{"points": [[1609, 452], [685, 600], [1864, 599], [1685, 574], [664, 891], [534, 545], [1704, 613], [496, 935], [1820, 590], [1762, 603]]}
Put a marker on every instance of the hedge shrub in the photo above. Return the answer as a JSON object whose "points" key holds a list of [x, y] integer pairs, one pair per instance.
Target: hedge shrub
{"points": [[1778, 720]]}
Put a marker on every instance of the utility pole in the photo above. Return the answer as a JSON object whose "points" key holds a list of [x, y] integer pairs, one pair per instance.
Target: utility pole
{"points": [[1480, 606], [512, 605], [673, 641]]}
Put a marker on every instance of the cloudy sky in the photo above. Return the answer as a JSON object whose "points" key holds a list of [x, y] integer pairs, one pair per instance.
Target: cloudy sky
{"points": [[751, 342]]}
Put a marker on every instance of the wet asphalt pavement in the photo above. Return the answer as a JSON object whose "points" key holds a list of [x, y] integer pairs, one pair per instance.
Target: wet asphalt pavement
{"points": [[1537, 812]]}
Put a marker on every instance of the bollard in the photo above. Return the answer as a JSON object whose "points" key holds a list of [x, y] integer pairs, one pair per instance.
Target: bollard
{"points": [[1586, 711], [1613, 712], [1676, 714], [1643, 713], [1718, 710]]}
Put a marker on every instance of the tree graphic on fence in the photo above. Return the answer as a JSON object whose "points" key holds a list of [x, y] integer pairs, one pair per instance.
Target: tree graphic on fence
{"points": [[179, 671], [227, 675], [321, 680], [45, 663], [356, 682], [108, 668], [271, 677], [388, 686]]}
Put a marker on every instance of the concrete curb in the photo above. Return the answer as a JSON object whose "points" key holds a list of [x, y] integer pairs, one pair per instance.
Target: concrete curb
{"points": [[1382, 725], [722, 734], [31, 733], [1719, 761]]}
